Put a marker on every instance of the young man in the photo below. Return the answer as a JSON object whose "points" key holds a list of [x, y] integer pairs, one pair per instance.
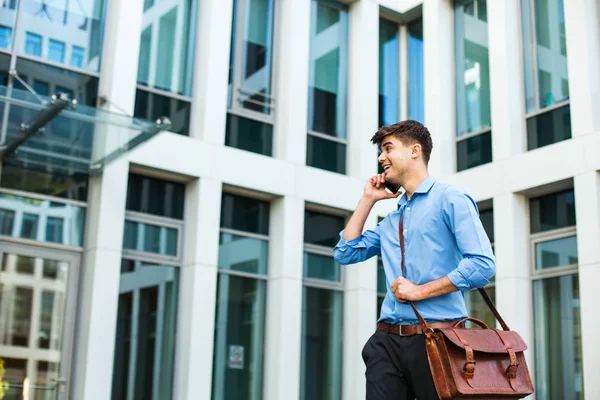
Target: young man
{"points": [[446, 252]]}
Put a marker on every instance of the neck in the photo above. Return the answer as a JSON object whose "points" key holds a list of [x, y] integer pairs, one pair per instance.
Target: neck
{"points": [[413, 180]]}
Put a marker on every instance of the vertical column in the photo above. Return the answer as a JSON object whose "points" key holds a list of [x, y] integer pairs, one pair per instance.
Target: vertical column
{"points": [[582, 29], [291, 70], [513, 281], [363, 88], [506, 79], [284, 299], [198, 289], [587, 204], [440, 103], [99, 292], [211, 69]]}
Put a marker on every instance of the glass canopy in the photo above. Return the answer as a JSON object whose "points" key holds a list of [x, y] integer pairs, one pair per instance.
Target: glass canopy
{"points": [[40, 132]]}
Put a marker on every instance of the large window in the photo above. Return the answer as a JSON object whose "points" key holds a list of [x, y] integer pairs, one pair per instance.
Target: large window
{"points": [[148, 290], [416, 89], [546, 72], [558, 353], [241, 299], [473, 117], [322, 309], [250, 120], [476, 306], [389, 73], [326, 143], [165, 62]]}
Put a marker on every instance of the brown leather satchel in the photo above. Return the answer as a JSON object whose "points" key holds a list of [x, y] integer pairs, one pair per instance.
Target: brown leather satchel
{"points": [[475, 363]]}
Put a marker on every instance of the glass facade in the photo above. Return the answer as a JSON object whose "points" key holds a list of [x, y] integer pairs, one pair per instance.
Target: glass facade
{"points": [[552, 211], [473, 113], [328, 75], [389, 73], [416, 86], [546, 72], [241, 299]]}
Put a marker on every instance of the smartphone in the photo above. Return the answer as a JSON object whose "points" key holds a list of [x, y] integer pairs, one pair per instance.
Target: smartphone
{"points": [[392, 187]]}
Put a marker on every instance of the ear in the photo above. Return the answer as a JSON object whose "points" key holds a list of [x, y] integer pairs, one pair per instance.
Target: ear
{"points": [[415, 150]]}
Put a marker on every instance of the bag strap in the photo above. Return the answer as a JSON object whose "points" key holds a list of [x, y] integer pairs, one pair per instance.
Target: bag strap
{"points": [[426, 327]]}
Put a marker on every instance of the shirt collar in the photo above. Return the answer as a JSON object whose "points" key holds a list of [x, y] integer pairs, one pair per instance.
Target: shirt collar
{"points": [[424, 187]]}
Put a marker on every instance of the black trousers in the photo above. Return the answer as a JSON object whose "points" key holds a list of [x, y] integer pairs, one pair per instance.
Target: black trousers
{"points": [[397, 368]]}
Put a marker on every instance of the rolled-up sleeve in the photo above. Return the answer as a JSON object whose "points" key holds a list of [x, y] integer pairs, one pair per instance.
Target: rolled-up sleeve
{"points": [[478, 264], [356, 250]]}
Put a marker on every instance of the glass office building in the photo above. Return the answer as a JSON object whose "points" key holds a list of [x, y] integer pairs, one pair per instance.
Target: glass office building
{"points": [[174, 175]]}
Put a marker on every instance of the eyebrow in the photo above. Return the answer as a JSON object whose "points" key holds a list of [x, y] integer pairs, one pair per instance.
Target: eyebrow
{"points": [[386, 143]]}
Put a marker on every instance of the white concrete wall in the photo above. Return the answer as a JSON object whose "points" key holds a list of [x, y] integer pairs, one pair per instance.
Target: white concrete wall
{"points": [[209, 165]]}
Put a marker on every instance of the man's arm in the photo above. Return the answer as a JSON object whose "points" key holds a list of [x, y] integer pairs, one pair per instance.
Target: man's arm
{"points": [[405, 290], [356, 224]]}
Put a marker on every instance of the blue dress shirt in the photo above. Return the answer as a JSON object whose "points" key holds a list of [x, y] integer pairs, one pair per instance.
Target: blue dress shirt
{"points": [[443, 236]]}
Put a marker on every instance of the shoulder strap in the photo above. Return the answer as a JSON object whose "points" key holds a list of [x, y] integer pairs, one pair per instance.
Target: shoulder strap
{"points": [[424, 324]]}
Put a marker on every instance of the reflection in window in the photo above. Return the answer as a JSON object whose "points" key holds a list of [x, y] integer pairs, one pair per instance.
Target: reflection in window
{"points": [[328, 82], [54, 229], [389, 71], [244, 214], [249, 134], [318, 266], [322, 229], [244, 254], [33, 44], [239, 338], [51, 323], [29, 226], [145, 336], [170, 60], [321, 344], [151, 106], [474, 151], [150, 238], [416, 89], [552, 211], [557, 323], [556, 253]]}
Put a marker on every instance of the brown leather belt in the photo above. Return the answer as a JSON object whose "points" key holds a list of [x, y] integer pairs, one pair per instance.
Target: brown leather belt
{"points": [[407, 330]]}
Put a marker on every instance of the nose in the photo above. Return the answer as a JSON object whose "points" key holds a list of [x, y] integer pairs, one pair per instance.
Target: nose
{"points": [[381, 158]]}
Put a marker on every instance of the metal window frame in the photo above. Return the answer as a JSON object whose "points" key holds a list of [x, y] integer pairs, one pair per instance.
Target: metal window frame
{"points": [[163, 93], [542, 237], [327, 137], [339, 286], [473, 134], [164, 222], [551, 108], [237, 53]]}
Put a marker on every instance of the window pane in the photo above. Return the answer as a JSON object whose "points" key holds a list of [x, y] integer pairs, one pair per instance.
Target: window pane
{"points": [[77, 56], [152, 106], [244, 254], [550, 127], [474, 151], [150, 238], [556, 253], [245, 214], [155, 196], [251, 88], [81, 22], [171, 60], [322, 229], [321, 344], [477, 307], [249, 134], [328, 69], [64, 223], [550, 53], [552, 211], [145, 335], [326, 154], [472, 70], [321, 267], [389, 73], [558, 354], [416, 88], [381, 280], [5, 37], [487, 220], [239, 338]]}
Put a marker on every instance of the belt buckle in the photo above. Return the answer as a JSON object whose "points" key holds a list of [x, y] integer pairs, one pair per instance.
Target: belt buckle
{"points": [[400, 332]]}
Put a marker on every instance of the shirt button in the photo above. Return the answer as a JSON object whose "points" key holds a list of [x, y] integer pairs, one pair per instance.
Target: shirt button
{"points": [[408, 209], [405, 230], [400, 320]]}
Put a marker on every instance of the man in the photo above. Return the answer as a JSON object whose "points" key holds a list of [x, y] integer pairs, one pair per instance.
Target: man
{"points": [[446, 252]]}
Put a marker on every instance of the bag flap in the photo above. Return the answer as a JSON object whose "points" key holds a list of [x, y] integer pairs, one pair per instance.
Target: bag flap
{"points": [[485, 340]]}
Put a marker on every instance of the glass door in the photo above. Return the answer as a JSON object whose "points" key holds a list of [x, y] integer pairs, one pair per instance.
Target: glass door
{"points": [[38, 289]]}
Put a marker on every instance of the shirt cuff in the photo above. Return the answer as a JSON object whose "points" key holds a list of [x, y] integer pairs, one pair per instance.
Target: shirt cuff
{"points": [[459, 280], [354, 243]]}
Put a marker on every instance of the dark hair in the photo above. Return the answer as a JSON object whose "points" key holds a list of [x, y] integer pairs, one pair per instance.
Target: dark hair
{"points": [[408, 132]]}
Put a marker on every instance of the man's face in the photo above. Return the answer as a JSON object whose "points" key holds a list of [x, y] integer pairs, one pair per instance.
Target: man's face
{"points": [[395, 158]]}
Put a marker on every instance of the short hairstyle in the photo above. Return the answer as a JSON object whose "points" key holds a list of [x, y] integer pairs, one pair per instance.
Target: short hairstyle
{"points": [[408, 132]]}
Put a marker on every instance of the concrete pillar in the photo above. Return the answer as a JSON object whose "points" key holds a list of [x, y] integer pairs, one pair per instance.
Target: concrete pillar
{"points": [[587, 204], [582, 29], [198, 290], [99, 291], [211, 71], [513, 274], [363, 88], [509, 136], [284, 299], [360, 317], [292, 41], [440, 102]]}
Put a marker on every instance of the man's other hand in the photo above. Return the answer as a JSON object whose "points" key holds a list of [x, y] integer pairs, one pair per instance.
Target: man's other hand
{"points": [[404, 290]]}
